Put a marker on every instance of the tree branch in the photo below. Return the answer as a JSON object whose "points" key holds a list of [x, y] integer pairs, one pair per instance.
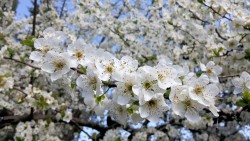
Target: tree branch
{"points": [[219, 35], [34, 18], [18, 61]]}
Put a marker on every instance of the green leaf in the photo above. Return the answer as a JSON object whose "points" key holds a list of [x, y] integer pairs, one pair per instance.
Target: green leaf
{"points": [[83, 70], [130, 110], [207, 116], [241, 103], [201, 1], [48, 121], [29, 42], [247, 54], [136, 103], [41, 103], [216, 53], [5, 75], [246, 96], [73, 84], [245, 99], [220, 49], [198, 74], [11, 52], [2, 39], [170, 22], [181, 77], [22, 59], [19, 139], [81, 4], [100, 98], [141, 61], [94, 136], [62, 114], [117, 139], [154, 57], [166, 94]]}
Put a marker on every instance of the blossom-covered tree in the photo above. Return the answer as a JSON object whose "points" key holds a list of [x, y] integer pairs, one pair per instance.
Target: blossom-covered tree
{"points": [[125, 70]]}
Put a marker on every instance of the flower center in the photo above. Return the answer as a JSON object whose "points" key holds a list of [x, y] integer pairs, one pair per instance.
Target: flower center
{"points": [[46, 49], [209, 71], [93, 80], [128, 87], [109, 69], [147, 85], [152, 103], [187, 103], [161, 76], [120, 109], [79, 55], [59, 64], [2, 81], [232, 44], [198, 90]]}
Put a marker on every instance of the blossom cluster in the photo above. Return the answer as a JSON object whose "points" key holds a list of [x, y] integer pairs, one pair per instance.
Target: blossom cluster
{"points": [[140, 91]]}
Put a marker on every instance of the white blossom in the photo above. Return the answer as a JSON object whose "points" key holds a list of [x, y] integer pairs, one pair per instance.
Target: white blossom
{"points": [[183, 105], [57, 64], [106, 65], [241, 83], [167, 76], [147, 84], [124, 92], [212, 71], [153, 108]]}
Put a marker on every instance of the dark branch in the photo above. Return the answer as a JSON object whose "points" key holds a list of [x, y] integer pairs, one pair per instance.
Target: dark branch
{"points": [[219, 35], [61, 12], [18, 61], [34, 19]]}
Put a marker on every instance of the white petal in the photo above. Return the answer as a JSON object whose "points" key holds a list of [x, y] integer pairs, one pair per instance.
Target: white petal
{"points": [[245, 76], [48, 67], [237, 82], [210, 64], [203, 67], [153, 118], [211, 90], [217, 70], [214, 78], [192, 115], [238, 90], [179, 109], [39, 43], [36, 56], [136, 89], [248, 84], [203, 80], [123, 100], [56, 75], [144, 111], [148, 95], [214, 110], [136, 118]]}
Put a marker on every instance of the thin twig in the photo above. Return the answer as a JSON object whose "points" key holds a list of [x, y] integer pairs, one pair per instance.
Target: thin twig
{"points": [[219, 35], [17, 89], [243, 37], [18, 61], [61, 12], [216, 12], [226, 76], [78, 126]]}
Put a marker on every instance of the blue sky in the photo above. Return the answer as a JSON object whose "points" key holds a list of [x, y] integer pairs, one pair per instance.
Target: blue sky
{"points": [[22, 9]]}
